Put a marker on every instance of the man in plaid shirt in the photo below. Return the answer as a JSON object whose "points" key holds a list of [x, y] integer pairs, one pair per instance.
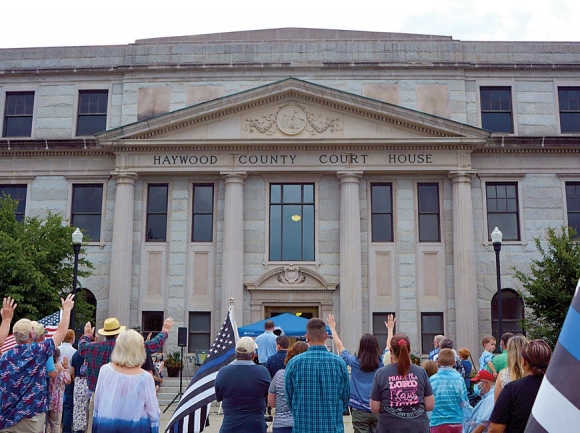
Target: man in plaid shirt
{"points": [[316, 382]]}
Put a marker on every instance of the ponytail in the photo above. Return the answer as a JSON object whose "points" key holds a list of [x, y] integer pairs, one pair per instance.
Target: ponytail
{"points": [[401, 348]]}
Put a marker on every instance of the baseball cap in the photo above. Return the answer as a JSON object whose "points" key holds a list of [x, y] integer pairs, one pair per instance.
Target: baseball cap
{"points": [[23, 326], [483, 375], [246, 345], [38, 328]]}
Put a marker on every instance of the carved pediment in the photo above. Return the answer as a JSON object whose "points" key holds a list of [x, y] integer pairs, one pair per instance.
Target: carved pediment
{"points": [[291, 110], [290, 278]]}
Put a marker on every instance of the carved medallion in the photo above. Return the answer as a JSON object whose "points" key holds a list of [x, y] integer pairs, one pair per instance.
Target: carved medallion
{"points": [[291, 120], [291, 275]]}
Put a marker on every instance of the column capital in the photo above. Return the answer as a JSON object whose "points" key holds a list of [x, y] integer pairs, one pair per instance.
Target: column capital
{"points": [[234, 176], [461, 175], [349, 176], [127, 177]]}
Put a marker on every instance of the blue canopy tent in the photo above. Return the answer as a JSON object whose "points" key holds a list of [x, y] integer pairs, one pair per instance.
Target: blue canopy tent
{"points": [[293, 326]]}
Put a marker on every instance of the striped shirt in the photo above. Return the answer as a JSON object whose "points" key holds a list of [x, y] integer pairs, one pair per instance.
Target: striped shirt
{"points": [[283, 416], [317, 391], [450, 397]]}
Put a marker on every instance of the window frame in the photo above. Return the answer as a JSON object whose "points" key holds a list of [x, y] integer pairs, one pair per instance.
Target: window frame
{"points": [[144, 329], [560, 88], [193, 214], [19, 215], [6, 116], [84, 91], [419, 185], [302, 203], [576, 184], [427, 337], [483, 112], [88, 180], [72, 213], [148, 212], [518, 212], [391, 213], [192, 332]]}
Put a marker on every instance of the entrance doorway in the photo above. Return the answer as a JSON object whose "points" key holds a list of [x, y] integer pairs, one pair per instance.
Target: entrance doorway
{"points": [[306, 312]]}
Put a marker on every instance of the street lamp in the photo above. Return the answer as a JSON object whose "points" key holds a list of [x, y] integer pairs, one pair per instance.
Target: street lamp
{"points": [[496, 237], [77, 241]]}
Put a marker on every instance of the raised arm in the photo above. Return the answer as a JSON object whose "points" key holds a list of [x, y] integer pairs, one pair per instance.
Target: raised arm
{"points": [[67, 306], [332, 325], [7, 312], [390, 324]]}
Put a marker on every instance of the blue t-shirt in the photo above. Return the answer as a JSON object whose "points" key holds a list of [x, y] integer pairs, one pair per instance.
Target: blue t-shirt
{"points": [[266, 346], [483, 360], [450, 397], [361, 382]]}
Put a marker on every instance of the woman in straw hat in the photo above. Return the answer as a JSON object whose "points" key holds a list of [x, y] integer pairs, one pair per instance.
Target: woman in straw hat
{"points": [[125, 395]]}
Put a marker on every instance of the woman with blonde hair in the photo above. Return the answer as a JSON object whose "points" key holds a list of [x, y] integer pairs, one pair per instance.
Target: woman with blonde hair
{"points": [[515, 369], [401, 392], [125, 395], [283, 421]]}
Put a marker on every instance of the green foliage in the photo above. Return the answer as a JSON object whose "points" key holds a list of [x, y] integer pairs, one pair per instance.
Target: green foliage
{"points": [[550, 285], [36, 264], [173, 360]]}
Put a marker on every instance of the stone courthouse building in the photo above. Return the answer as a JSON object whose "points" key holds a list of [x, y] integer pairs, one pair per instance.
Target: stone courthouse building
{"points": [[299, 170]]}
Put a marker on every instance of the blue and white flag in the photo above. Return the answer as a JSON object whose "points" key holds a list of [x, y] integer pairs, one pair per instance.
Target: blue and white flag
{"points": [[557, 405], [193, 409]]}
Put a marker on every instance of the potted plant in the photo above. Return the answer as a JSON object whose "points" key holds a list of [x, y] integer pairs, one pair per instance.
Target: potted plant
{"points": [[173, 363]]}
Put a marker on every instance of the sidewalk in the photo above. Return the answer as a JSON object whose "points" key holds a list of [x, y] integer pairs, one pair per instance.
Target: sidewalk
{"points": [[215, 420]]}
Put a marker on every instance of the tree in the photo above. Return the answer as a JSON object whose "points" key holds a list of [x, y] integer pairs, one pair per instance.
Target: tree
{"points": [[36, 264], [550, 285]]}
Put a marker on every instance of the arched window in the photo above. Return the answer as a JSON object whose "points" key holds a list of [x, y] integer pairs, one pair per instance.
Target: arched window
{"points": [[512, 307]]}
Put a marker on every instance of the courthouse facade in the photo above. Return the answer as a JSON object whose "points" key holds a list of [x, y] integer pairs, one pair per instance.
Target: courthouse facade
{"points": [[299, 170]]}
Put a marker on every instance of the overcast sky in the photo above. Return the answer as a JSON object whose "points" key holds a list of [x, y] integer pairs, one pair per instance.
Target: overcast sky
{"points": [[36, 23]]}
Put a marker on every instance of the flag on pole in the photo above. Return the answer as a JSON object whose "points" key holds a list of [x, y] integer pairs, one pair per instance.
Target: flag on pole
{"points": [[50, 324], [557, 405], [193, 409]]}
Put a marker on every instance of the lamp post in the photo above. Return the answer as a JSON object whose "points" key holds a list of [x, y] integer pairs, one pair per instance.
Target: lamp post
{"points": [[77, 241], [496, 238]]}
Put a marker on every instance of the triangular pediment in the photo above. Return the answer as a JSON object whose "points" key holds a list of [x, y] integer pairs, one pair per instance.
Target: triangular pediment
{"points": [[296, 111]]}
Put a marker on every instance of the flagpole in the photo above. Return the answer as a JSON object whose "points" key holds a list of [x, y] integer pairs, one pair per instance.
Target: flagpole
{"points": [[233, 320]]}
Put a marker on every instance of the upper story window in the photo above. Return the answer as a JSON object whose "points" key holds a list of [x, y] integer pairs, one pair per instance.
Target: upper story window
{"points": [[16, 192], [573, 204], [496, 109], [428, 206], [431, 325], [502, 209], [569, 102], [87, 208], [382, 212], [92, 114], [157, 212], [292, 222], [202, 209], [18, 114]]}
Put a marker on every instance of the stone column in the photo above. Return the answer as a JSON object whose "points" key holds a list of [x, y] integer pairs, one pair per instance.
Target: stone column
{"points": [[122, 248], [466, 311], [233, 245], [350, 260]]}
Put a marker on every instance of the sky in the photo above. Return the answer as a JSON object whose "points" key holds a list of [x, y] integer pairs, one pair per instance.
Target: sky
{"points": [[39, 23]]}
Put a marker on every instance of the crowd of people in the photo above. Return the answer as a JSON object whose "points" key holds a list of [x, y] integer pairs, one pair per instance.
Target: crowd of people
{"points": [[106, 386], [46, 385]]}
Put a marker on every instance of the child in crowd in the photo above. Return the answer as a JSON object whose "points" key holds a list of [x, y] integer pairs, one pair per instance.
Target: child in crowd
{"points": [[464, 355], [451, 403], [485, 361], [56, 393]]}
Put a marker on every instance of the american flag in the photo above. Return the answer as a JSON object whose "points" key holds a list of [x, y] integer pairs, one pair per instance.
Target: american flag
{"points": [[193, 409], [557, 405], [50, 324]]}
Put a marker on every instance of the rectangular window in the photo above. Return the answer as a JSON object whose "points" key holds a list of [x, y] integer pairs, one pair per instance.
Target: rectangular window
{"points": [[380, 329], [431, 325], [382, 212], [502, 209], [92, 114], [428, 206], [151, 323], [569, 102], [292, 222], [496, 109], [16, 192], [18, 114], [87, 206], [157, 212], [573, 204], [199, 330], [202, 218]]}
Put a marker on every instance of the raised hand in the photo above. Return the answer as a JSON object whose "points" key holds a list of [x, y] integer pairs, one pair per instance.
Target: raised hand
{"points": [[167, 324], [68, 303], [390, 323], [89, 330], [8, 307], [330, 321]]}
